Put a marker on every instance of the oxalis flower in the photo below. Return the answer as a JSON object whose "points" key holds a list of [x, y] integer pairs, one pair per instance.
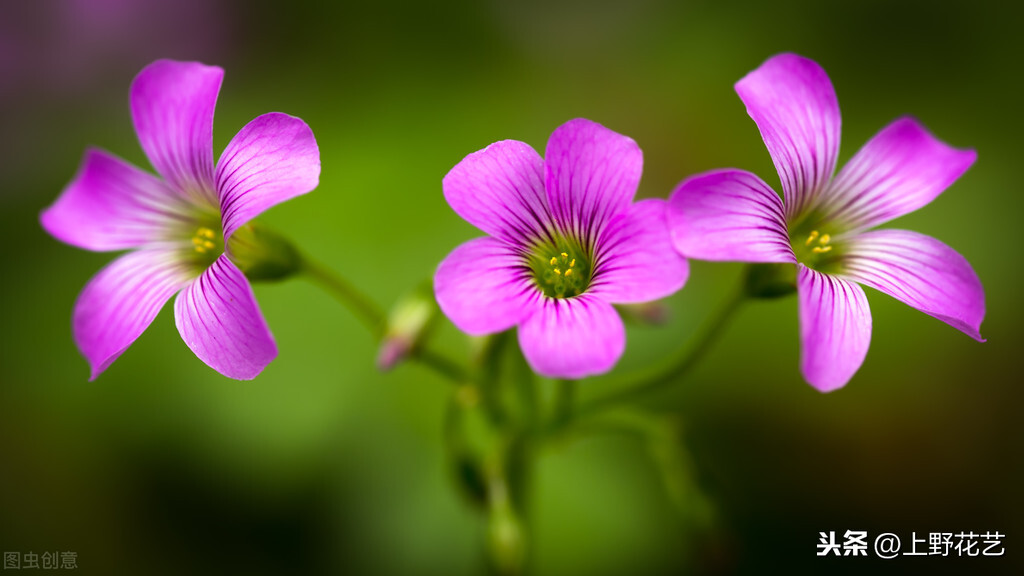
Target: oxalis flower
{"points": [[566, 242], [823, 225], [186, 230]]}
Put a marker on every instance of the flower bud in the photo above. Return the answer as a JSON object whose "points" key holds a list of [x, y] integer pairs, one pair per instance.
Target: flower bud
{"points": [[506, 539], [408, 322]]}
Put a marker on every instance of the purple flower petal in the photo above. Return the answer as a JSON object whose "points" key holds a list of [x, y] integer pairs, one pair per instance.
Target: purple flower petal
{"points": [[218, 318], [729, 215], [835, 328], [500, 190], [792, 101], [921, 272], [112, 205], [483, 286], [121, 301], [591, 174], [573, 337], [272, 159], [172, 106], [635, 258], [899, 170]]}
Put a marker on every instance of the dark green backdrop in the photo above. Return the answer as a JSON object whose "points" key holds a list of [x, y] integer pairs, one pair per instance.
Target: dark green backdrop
{"points": [[324, 465]]}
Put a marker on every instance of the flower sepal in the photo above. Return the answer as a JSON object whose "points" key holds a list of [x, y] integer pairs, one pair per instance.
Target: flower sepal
{"points": [[767, 281], [263, 254]]}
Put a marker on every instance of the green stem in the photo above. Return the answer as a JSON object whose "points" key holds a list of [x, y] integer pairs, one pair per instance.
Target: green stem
{"points": [[359, 304], [488, 376], [565, 395], [673, 368], [440, 364], [374, 318]]}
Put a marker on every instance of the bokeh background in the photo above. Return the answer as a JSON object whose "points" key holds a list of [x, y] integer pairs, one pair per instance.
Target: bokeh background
{"points": [[324, 465]]}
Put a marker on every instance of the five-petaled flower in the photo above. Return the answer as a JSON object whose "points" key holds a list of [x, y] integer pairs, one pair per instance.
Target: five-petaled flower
{"points": [[566, 242], [823, 225], [179, 228]]}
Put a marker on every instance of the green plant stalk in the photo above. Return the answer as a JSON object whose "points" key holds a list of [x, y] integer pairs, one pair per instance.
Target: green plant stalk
{"points": [[374, 318], [668, 371]]}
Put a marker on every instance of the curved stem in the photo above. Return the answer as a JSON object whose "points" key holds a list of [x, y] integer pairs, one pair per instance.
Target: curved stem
{"points": [[674, 367], [565, 396], [488, 376], [374, 318], [440, 363], [359, 304]]}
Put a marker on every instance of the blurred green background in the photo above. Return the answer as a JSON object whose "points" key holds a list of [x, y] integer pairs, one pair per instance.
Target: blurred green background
{"points": [[324, 465]]}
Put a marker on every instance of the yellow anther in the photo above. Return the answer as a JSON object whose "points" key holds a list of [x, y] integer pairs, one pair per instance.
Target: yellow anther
{"points": [[824, 239], [814, 234], [821, 249], [568, 272], [564, 256], [557, 271], [554, 260], [573, 263], [203, 240]]}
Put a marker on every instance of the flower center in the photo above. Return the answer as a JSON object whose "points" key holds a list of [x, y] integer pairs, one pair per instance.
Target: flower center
{"points": [[822, 244], [561, 269], [816, 251], [204, 240], [207, 246]]}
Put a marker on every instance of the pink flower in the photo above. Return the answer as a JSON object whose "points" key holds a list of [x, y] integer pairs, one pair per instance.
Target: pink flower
{"points": [[824, 225], [178, 228], [565, 242]]}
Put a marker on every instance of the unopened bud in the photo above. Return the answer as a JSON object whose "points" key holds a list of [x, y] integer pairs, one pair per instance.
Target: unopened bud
{"points": [[408, 322], [505, 536]]}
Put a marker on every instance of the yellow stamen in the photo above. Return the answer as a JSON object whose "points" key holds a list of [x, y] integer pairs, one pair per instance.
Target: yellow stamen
{"points": [[553, 260], [821, 249], [557, 271], [573, 263], [568, 272], [824, 239], [203, 240], [564, 256], [814, 234]]}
